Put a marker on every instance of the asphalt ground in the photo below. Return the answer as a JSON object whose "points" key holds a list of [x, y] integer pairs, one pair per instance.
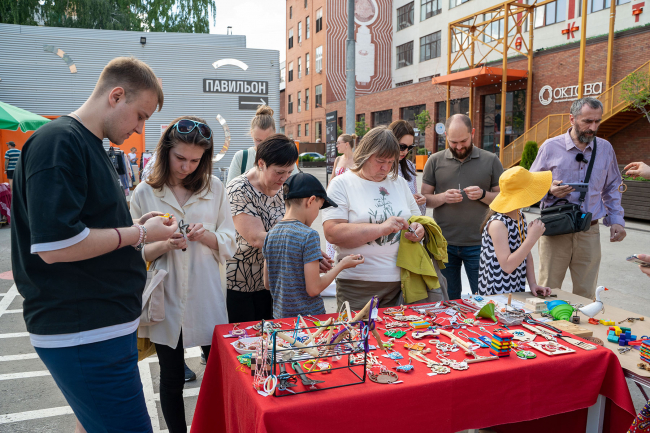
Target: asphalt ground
{"points": [[31, 402]]}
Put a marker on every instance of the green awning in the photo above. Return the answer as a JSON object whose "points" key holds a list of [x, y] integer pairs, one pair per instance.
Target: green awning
{"points": [[12, 118]]}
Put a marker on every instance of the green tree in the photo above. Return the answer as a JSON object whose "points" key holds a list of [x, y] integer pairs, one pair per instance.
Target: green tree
{"points": [[361, 128], [529, 154], [189, 16], [636, 92], [423, 121], [339, 131]]}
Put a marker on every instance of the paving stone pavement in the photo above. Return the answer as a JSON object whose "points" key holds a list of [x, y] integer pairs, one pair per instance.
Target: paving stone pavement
{"points": [[31, 402]]}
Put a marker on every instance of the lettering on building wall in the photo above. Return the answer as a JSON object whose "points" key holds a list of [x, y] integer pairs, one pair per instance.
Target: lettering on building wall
{"points": [[570, 93], [235, 86]]}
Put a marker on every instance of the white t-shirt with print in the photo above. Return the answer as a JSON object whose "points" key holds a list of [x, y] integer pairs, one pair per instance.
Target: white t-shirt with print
{"points": [[365, 201]]}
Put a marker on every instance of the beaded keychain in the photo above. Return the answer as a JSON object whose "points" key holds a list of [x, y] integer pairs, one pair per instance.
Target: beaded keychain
{"points": [[406, 368]]}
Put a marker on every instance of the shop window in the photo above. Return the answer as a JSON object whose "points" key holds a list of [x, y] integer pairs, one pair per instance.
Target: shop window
{"points": [[290, 38], [319, 95], [319, 20], [515, 119], [290, 106], [454, 3], [299, 100], [319, 59], [307, 64], [409, 113], [429, 8], [405, 16], [551, 13], [430, 46], [405, 55], [382, 118]]}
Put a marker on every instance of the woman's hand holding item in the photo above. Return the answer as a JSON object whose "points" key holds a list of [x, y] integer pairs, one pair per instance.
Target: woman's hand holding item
{"points": [[159, 229], [418, 235], [177, 242], [395, 224], [196, 232]]}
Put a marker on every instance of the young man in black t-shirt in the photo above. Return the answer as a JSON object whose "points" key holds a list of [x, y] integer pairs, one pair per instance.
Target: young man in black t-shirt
{"points": [[72, 250]]}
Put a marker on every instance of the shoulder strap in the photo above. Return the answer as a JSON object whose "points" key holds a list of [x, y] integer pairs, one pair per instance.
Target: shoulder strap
{"points": [[244, 161], [589, 168]]}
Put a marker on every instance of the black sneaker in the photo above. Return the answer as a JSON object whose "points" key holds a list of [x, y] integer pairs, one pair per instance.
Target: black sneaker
{"points": [[203, 360], [189, 374]]}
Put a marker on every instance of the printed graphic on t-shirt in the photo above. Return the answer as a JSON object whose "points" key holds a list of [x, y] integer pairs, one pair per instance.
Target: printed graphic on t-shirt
{"points": [[380, 215]]}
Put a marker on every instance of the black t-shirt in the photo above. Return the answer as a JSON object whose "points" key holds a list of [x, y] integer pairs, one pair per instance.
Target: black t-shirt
{"points": [[65, 184]]}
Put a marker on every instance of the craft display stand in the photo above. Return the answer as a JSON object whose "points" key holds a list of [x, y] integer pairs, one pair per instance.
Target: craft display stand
{"points": [[343, 345]]}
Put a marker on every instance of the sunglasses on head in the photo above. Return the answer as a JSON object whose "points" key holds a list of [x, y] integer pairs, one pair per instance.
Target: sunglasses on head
{"points": [[404, 147], [186, 126]]}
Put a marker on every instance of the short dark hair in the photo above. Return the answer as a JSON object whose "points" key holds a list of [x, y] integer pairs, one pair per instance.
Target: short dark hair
{"points": [[463, 118], [11, 144], [277, 149]]}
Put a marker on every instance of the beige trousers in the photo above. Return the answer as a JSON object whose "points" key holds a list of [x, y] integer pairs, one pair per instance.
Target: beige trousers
{"points": [[579, 252]]}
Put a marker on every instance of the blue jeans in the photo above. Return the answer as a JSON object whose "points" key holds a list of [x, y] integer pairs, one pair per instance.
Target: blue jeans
{"points": [[101, 382], [470, 257]]}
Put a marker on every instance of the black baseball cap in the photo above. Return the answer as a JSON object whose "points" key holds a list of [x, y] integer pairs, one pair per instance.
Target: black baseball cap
{"points": [[304, 185]]}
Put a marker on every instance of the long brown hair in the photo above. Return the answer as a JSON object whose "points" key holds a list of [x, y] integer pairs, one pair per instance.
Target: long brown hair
{"points": [[199, 179], [488, 215], [402, 128]]}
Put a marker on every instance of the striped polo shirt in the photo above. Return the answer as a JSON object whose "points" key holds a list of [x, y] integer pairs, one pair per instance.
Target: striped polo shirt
{"points": [[12, 155], [288, 246]]}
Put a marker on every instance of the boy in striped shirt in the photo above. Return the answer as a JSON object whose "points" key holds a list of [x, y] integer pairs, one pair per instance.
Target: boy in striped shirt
{"points": [[11, 159], [292, 251]]}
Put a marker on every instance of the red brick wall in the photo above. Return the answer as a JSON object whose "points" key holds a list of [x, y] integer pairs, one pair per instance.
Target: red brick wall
{"points": [[633, 143]]}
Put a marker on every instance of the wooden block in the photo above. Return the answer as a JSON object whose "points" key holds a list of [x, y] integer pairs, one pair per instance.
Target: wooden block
{"points": [[571, 328], [536, 304]]}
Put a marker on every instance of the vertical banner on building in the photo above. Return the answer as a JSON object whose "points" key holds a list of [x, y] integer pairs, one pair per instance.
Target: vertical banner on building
{"points": [[330, 139]]}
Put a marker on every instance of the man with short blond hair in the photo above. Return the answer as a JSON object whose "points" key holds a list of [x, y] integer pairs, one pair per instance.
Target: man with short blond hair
{"points": [[72, 240]]}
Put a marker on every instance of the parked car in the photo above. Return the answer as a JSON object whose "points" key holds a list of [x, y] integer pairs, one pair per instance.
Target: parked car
{"points": [[312, 154]]}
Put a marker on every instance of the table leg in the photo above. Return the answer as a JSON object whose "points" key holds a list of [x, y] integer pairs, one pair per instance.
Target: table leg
{"points": [[596, 415], [642, 390]]}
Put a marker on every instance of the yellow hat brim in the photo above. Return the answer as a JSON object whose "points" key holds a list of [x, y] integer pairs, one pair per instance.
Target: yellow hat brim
{"points": [[540, 183]]}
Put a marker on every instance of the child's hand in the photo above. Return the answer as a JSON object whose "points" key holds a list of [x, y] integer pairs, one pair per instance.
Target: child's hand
{"points": [[352, 261], [539, 290], [536, 229]]}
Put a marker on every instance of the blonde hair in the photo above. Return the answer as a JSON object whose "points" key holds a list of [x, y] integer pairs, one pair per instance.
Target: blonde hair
{"points": [[132, 75], [263, 118], [381, 142], [349, 138]]}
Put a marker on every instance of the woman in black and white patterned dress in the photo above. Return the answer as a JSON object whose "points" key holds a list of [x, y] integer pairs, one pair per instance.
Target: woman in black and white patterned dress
{"points": [[507, 240]]}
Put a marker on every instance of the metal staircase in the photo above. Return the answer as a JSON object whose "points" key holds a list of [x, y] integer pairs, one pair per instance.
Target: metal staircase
{"points": [[614, 120]]}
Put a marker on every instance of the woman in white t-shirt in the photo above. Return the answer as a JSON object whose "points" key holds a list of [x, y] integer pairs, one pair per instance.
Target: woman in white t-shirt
{"points": [[262, 127], [374, 205]]}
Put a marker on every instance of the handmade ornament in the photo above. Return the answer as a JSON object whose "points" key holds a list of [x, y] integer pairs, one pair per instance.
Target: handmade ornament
{"points": [[525, 354], [595, 307], [520, 335], [395, 333], [420, 324], [421, 334], [384, 376], [551, 348], [405, 368]]}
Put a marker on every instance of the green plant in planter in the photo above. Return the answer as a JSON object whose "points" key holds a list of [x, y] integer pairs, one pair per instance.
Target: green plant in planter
{"points": [[306, 158], [319, 159], [422, 151], [339, 131], [423, 121], [529, 154]]}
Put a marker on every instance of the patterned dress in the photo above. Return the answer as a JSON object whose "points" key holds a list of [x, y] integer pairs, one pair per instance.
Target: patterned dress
{"points": [[492, 279], [641, 423], [244, 272]]}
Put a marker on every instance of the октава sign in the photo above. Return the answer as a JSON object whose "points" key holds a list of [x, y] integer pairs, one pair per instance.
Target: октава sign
{"points": [[570, 93], [235, 86]]}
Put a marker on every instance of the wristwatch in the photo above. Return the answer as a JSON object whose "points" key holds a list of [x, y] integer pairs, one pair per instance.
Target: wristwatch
{"points": [[482, 196]]}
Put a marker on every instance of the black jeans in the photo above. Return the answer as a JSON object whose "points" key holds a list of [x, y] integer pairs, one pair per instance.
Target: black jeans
{"points": [[249, 306], [172, 381]]}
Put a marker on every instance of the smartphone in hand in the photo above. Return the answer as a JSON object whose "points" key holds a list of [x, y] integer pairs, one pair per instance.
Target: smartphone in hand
{"points": [[634, 258]]}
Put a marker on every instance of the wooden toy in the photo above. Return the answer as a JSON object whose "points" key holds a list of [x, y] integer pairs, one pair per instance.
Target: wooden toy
{"points": [[551, 348], [607, 322]]}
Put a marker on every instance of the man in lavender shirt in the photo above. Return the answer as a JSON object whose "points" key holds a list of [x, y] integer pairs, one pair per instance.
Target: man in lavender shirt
{"points": [[580, 252]]}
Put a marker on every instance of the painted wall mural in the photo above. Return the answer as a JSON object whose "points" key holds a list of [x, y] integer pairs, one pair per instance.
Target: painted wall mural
{"points": [[373, 35]]}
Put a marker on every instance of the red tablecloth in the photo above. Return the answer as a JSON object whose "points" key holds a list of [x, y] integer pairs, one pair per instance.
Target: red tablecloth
{"points": [[544, 394]]}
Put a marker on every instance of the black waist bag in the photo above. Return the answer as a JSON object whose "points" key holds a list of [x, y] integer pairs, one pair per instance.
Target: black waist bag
{"points": [[568, 218]]}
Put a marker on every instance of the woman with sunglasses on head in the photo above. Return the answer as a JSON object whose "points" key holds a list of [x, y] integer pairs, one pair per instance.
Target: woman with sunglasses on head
{"points": [[405, 136], [182, 184]]}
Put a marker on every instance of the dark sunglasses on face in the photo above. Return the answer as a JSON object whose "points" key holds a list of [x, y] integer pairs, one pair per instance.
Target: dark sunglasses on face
{"points": [[404, 147], [186, 126]]}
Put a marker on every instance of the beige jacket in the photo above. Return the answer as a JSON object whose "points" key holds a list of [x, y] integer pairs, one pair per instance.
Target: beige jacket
{"points": [[194, 299]]}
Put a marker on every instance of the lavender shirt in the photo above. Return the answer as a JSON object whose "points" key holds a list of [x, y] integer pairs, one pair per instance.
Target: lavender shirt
{"points": [[603, 199]]}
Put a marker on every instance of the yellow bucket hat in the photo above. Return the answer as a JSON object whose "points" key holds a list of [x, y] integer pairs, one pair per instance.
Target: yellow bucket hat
{"points": [[521, 188]]}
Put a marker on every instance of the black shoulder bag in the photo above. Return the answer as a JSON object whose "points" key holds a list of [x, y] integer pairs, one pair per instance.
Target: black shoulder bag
{"points": [[568, 218]]}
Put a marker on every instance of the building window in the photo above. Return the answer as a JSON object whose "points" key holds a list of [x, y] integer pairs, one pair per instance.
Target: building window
{"points": [[319, 95], [462, 37], [430, 46], [551, 13], [300, 32], [405, 55], [405, 16], [306, 129], [429, 8], [403, 83], [290, 12], [307, 27], [409, 113], [299, 100], [319, 59], [307, 64], [428, 78], [599, 5], [306, 99], [299, 67], [290, 38], [515, 118], [298, 135], [441, 117], [317, 131], [290, 72], [382, 118], [454, 3], [306, 4], [290, 106], [361, 118], [319, 20]]}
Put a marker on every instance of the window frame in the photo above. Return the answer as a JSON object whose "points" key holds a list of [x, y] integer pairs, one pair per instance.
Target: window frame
{"points": [[319, 20], [402, 54], [290, 78], [424, 15], [306, 64], [298, 130], [299, 100], [299, 32], [410, 14], [456, 3], [319, 59], [299, 67], [289, 105], [307, 27], [306, 129], [437, 44], [306, 99], [318, 95], [290, 38]]}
